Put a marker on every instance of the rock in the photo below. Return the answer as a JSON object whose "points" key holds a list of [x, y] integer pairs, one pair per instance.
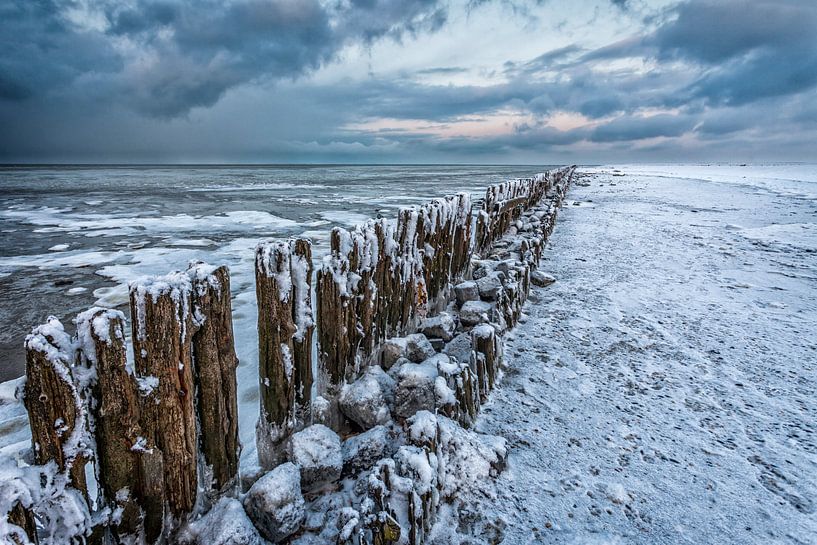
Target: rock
{"points": [[441, 326], [418, 348], [225, 524], [316, 451], [364, 402], [466, 291], [274, 503], [393, 350], [415, 388], [437, 344], [360, 452], [540, 279], [475, 312], [490, 287], [459, 348]]}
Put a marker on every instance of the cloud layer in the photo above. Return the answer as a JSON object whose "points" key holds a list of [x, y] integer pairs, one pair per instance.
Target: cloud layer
{"points": [[395, 80]]}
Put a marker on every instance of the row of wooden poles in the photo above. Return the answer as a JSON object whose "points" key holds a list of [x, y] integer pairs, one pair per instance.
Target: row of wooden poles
{"points": [[157, 430]]}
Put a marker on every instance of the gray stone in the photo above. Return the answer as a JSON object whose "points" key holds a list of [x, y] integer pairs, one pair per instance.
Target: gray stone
{"points": [[475, 312], [364, 402], [466, 291], [393, 349], [418, 348], [437, 344], [441, 326], [360, 452], [316, 451], [415, 389], [540, 279], [490, 287], [459, 348], [274, 503], [225, 524]]}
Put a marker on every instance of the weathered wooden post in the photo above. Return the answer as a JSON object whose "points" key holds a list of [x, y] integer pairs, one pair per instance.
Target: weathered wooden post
{"points": [[301, 270], [488, 355], [215, 365], [115, 413], [283, 272], [273, 287], [56, 413], [162, 329]]}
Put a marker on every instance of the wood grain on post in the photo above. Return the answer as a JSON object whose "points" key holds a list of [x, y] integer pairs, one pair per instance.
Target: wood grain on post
{"points": [[215, 365], [56, 413], [162, 329], [301, 268], [276, 371], [115, 412]]}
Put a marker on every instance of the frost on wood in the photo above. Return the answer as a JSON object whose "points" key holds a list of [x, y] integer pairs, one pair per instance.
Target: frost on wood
{"points": [[283, 274], [162, 330], [115, 415], [215, 372], [55, 410]]}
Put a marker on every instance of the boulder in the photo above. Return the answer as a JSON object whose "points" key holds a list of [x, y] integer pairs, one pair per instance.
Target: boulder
{"points": [[360, 452], [364, 401], [459, 348], [274, 503], [418, 348], [490, 286], [393, 350], [441, 326], [466, 291], [415, 389], [225, 524], [475, 312], [316, 451], [540, 279]]}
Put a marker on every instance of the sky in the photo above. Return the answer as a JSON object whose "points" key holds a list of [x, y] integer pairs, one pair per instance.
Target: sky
{"points": [[407, 81]]}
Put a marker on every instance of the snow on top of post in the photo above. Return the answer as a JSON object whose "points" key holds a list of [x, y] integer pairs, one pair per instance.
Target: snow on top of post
{"points": [[273, 260], [54, 343], [176, 285]]}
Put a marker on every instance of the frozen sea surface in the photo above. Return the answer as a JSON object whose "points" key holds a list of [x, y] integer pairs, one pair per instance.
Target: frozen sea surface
{"points": [[662, 391]]}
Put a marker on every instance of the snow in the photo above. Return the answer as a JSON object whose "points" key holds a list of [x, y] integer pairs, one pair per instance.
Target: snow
{"points": [[662, 390]]}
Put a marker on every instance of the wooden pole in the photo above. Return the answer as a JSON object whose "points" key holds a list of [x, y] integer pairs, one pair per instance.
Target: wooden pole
{"points": [[115, 412], [56, 413], [162, 329], [215, 364]]}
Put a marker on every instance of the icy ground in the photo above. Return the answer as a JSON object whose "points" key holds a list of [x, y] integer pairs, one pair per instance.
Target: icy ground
{"points": [[663, 389]]}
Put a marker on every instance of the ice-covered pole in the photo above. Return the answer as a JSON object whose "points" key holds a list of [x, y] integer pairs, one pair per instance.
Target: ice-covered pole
{"points": [[111, 382], [215, 364], [283, 289], [56, 413], [162, 329]]}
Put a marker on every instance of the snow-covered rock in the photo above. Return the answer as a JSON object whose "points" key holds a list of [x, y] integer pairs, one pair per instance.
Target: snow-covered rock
{"points": [[466, 291], [393, 349], [441, 326], [538, 278], [490, 286], [460, 348], [418, 348], [225, 524], [360, 452], [475, 312], [316, 451], [364, 401], [274, 503], [415, 389]]}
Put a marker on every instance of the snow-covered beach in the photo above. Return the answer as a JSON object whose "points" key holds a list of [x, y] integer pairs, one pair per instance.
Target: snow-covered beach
{"points": [[662, 390]]}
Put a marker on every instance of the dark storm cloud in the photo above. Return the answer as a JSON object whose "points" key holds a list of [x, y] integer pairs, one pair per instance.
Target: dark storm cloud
{"points": [[195, 51], [714, 70]]}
